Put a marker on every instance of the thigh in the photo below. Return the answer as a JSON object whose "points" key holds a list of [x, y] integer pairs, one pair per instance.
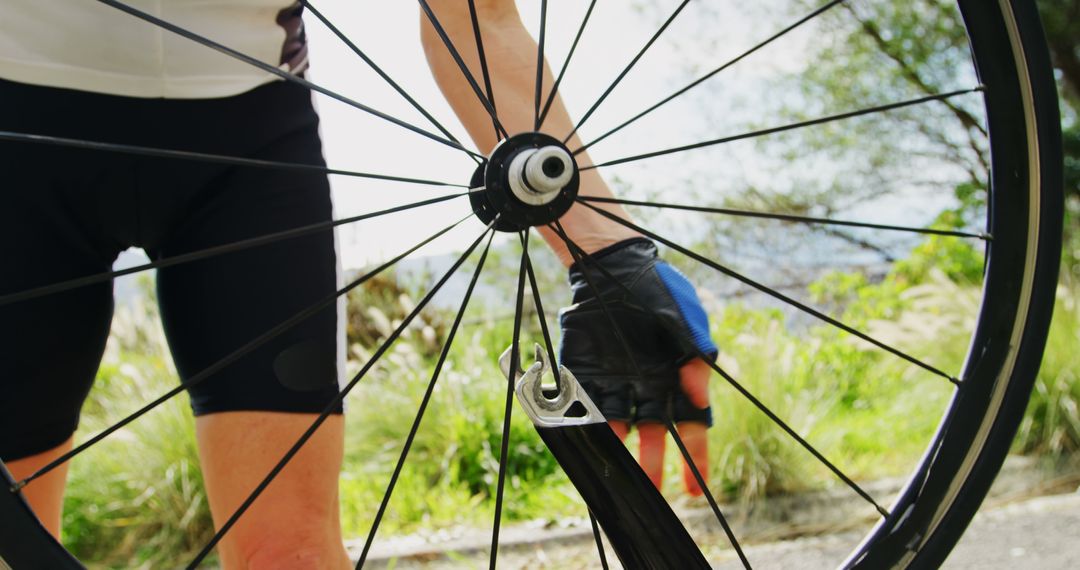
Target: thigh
{"points": [[50, 346], [213, 307]]}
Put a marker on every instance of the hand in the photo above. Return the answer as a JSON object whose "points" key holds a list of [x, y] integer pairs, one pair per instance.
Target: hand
{"points": [[663, 326]]}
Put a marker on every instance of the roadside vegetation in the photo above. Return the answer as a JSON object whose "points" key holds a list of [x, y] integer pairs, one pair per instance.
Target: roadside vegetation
{"points": [[138, 495], [137, 498]]}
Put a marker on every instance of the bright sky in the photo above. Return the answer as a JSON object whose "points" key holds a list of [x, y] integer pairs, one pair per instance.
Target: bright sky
{"points": [[704, 36], [389, 34]]}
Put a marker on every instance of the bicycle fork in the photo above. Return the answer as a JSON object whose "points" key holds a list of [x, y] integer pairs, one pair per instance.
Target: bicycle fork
{"points": [[639, 523]]}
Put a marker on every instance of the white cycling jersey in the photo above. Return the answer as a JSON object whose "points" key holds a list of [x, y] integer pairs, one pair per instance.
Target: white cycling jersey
{"points": [[90, 46]]}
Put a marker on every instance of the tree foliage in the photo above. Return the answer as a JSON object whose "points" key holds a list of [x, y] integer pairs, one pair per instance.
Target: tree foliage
{"points": [[1061, 20], [926, 159]]}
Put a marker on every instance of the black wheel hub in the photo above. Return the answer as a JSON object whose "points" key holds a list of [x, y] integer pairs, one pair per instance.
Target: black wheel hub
{"points": [[506, 198]]}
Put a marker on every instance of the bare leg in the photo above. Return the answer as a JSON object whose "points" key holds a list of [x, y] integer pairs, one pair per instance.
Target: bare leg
{"points": [[511, 57], [45, 495], [295, 523]]}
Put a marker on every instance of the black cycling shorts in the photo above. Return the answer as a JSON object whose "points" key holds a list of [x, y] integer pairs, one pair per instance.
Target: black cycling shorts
{"points": [[67, 213]]}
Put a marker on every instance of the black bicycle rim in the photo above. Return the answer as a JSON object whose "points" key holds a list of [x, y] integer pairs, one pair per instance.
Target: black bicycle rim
{"points": [[1024, 218]]}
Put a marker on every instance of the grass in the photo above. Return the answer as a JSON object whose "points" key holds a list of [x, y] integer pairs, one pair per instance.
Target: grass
{"points": [[452, 471], [1051, 426], [137, 500], [869, 412]]}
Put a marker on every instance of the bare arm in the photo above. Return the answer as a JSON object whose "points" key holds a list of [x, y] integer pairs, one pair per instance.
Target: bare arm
{"points": [[511, 57]]}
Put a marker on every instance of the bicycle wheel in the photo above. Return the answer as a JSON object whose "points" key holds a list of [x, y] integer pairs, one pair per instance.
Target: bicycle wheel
{"points": [[1021, 239]]}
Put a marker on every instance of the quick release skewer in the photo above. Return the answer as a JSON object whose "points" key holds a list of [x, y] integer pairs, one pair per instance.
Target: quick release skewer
{"points": [[529, 179], [536, 176]]}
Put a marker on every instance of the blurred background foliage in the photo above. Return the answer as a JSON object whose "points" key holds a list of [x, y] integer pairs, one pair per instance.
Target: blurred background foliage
{"points": [[137, 499]]}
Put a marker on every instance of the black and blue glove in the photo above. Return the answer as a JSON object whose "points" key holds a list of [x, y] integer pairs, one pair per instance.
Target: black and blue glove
{"points": [[661, 321]]}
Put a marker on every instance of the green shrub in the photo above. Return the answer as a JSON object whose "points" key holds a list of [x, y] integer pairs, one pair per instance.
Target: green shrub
{"points": [[136, 499], [452, 470], [1052, 423]]}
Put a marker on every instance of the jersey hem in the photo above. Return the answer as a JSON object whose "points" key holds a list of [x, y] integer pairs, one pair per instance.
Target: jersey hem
{"points": [[95, 81]]}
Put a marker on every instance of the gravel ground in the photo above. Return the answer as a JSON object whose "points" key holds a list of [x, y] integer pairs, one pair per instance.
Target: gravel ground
{"points": [[1036, 533], [1021, 525]]}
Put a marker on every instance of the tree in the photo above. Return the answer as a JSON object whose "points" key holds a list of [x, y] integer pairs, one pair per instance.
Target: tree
{"points": [[1061, 19], [882, 52]]}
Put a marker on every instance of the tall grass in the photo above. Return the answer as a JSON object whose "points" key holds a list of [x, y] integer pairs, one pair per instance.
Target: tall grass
{"points": [[452, 470], [1051, 426], [869, 412], [137, 499]]}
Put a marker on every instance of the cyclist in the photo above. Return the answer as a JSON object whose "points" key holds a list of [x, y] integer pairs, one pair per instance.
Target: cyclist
{"points": [[97, 74]]}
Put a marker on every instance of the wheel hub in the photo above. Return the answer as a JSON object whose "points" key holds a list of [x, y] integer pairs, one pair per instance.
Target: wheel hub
{"points": [[529, 179]]}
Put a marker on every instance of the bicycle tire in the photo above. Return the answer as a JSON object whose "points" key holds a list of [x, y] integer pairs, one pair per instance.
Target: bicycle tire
{"points": [[1025, 216], [1022, 61]]}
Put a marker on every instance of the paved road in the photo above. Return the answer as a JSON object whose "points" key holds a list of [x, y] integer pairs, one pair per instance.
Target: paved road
{"points": [[1042, 533]]}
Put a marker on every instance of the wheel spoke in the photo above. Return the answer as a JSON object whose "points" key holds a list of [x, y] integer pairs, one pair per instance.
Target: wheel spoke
{"points": [[705, 489], [515, 365], [211, 252], [210, 158], [558, 80], [278, 72], [550, 347], [580, 257], [788, 127], [479, 37], [423, 405], [786, 217], [540, 63], [926, 496], [870, 28], [774, 293], [393, 84], [712, 73], [580, 253], [328, 410], [461, 65], [232, 357], [626, 70], [599, 541], [541, 316]]}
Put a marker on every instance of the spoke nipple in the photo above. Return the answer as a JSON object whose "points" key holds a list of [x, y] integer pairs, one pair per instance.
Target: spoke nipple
{"points": [[980, 88], [18, 486]]}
